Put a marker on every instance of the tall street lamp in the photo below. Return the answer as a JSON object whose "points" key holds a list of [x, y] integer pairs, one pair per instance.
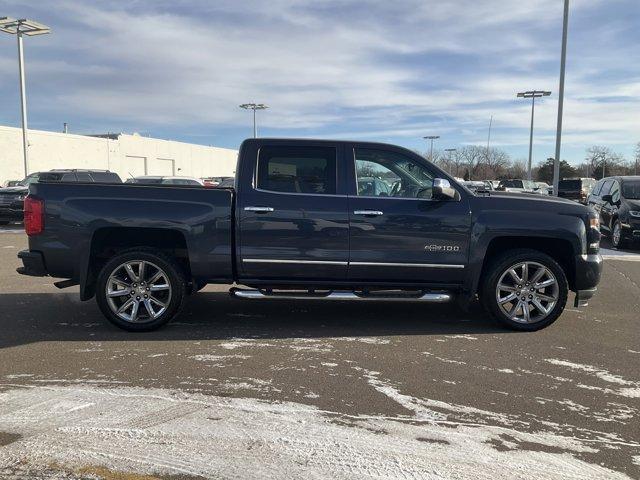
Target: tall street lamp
{"points": [[254, 107], [449, 152], [19, 28], [432, 138], [563, 62], [532, 94]]}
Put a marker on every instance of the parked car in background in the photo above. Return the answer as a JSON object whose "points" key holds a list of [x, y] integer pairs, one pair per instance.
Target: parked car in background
{"points": [[228, 182], [12, 183], [617, 199], [216, 181], [478, 185], [517, 185], [12, 198], [160, 180], [577, 189], [544, 188], [373, 187]]}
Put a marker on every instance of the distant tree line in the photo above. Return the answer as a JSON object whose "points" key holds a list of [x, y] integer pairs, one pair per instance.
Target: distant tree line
{"points": [[474, 162]]}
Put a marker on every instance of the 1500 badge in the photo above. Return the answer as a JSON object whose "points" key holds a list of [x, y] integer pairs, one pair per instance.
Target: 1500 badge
{"points": [[442, 248]]}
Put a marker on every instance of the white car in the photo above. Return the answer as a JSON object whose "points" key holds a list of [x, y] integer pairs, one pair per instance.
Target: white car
{"points": [[517, 185], [159, 180]]}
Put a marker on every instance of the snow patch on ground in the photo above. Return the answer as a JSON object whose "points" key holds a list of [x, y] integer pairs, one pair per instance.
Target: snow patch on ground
{"points": [[465, 337], [158, 431], [218, 358], [369, 340], [631, 389]]}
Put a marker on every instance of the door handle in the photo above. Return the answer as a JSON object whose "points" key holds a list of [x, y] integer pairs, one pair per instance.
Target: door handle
{"points": [[258, 209], [368, 213]]}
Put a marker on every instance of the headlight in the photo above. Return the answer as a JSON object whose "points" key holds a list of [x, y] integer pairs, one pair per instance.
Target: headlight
{"points": [[20, 198], [594, 222], [634, 213]]}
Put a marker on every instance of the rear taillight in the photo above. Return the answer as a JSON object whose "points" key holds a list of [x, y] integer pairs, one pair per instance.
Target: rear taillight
{"points": [[33, 215]]}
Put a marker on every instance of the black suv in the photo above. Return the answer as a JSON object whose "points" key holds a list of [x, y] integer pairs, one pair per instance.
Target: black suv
{"points": [[577, 189], [617, 199], [12, 198]]}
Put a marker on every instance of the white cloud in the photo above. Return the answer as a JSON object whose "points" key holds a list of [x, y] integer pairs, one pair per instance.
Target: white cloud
{"points": [[335, 67]]}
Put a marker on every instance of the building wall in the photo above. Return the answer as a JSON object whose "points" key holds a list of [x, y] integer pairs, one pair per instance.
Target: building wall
{"points": [[127, 155]]}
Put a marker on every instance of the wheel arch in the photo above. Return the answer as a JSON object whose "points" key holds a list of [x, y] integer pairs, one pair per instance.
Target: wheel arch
{"points": [[109, 241], [561, 250]]}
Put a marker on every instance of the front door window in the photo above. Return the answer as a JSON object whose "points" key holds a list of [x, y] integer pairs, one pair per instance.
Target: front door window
{"points": [[387, 174]]}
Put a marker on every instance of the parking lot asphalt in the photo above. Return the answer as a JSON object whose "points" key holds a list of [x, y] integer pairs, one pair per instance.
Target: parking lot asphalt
{"points": [[242, 389]]}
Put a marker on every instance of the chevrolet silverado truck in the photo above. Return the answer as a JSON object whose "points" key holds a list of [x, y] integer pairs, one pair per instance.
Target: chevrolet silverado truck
{"points": [[303, 223]]}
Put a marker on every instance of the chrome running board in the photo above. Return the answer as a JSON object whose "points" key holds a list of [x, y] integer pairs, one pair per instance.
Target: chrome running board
{"points": [[427, 297]]}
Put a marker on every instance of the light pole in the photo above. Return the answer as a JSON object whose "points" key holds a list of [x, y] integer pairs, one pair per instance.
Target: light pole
{"points": [[449, 152], [563, 61], [254, 107], [532, 94], [432, 138], [19, 28]]}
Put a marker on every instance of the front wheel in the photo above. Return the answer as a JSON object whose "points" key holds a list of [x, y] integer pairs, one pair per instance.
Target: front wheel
{"points": [[525, 290], [140, 290], [617, 237]]}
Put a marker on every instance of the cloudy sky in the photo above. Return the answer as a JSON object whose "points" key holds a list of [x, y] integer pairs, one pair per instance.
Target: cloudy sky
{"points": [[375, 70]]}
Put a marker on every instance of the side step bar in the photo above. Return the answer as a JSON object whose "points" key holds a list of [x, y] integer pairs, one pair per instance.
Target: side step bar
{"points": [[427, 297]]}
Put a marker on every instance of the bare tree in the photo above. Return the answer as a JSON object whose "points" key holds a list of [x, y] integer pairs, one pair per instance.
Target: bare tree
{"points": [[637, 159], [603, 161], [517, 169]]}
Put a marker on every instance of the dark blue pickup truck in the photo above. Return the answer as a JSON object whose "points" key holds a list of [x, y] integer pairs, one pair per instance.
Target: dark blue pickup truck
{"points": [[305, 222]]}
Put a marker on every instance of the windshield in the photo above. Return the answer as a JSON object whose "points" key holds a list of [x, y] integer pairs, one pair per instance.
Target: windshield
{"points": [[33, 178], [631, 190]]}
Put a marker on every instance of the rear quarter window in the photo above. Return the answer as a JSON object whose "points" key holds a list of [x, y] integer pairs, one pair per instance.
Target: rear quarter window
{"points": [[105, 177]]}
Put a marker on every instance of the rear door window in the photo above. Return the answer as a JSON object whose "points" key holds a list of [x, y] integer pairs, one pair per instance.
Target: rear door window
{"points": [[294, 169], [83, 177]]}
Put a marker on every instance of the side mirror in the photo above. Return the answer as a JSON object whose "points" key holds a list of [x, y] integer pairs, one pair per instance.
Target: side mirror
{"points": [[442, 190], [607, 198]]}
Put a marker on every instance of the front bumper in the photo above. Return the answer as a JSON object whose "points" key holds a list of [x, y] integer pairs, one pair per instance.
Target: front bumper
{"points": [[33, 264], [588, 270], [631, 229], [11, 214]]}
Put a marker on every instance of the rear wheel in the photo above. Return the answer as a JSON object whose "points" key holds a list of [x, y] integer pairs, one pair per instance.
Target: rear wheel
{"points": [[525, 290], [140, 290]]}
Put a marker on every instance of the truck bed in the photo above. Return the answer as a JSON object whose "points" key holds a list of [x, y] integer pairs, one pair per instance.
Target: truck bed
{"points": [[78, 213]]}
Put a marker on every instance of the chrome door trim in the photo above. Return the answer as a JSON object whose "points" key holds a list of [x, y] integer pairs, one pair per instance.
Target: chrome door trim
{"points": [[355, 264], [306, 262], [388, 264]]}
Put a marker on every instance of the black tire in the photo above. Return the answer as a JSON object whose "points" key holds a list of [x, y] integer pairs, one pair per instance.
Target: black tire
{"points": [[4, 222], [174, 297], [500, 267], [621, 242]]}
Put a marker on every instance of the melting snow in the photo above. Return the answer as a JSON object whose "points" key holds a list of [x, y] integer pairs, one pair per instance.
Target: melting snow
{"points": [[171, 432]]}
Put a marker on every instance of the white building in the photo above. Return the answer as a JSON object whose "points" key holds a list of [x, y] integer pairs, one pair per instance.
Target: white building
{"points": [[127, 155]]}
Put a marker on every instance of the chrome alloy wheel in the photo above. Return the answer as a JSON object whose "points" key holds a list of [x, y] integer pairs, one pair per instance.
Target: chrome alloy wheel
{"points": [[138, 291], [527, 292]]}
